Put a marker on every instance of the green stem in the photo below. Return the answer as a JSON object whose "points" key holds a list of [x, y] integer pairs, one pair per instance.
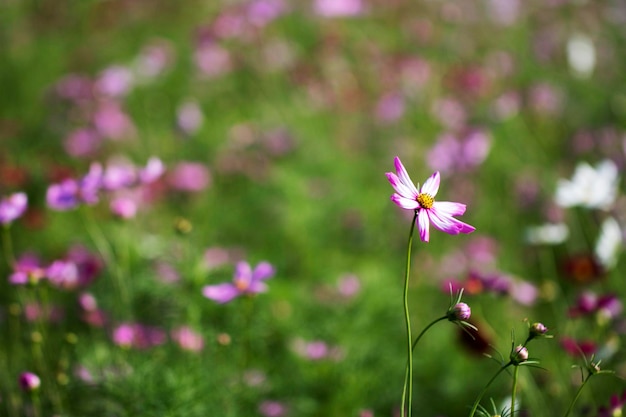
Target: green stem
{"points": [[514, 390], [480, 396], [7, 246], [425, 329], [407, 391], [580, 389]]}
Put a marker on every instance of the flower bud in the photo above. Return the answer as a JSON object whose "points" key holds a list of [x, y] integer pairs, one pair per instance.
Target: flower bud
{"points": [[519, 355], [29, 382], [459, 312]]}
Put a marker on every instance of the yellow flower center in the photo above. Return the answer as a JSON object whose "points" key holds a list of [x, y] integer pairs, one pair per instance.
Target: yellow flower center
{"points": [[241, 284], [425, 200]]}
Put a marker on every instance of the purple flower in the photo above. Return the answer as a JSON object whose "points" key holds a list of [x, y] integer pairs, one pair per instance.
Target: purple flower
{"points": [[152, 171], [614, 408], [63, 196], [190, 177], [439, 213], [29, 381], [12, 207], [188, 339], [245, 281], [272, 409]]}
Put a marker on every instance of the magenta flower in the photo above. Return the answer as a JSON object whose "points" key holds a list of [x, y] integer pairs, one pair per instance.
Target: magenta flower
{"points": [[12, 207], [29, 381], [245, 281], [439, 213]]}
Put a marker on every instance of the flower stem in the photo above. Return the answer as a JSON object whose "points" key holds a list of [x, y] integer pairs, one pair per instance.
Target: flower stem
{"points": [[514, 390], [425, 329], [480, 396], [580, 389], [407, 391]]}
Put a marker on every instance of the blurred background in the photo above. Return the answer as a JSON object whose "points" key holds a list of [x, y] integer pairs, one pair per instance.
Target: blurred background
{"points": [[261, 130]]}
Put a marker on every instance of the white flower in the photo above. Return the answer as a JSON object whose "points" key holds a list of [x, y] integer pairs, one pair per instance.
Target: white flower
{"points": [[609, 243], [589, 187], [581, 55], [547, 234]]}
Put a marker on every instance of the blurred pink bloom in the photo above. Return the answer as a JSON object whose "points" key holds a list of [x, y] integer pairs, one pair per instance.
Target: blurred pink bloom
{"points": [[415, 74], [575, 347], [439, 213], [82, 373], [63, 274], [507, 105], [166, 272], [459, 153], [123, 207], [118, 175], [504, 12], [27, 269], [63, 196], [89, 265], [188, 339], [272, 409], [13, 207], [262, 12], [450, 113], [74, 87], [607, 306], [216, 256], [48, 313], [614, 408], [29, 381], [349, 285], [114, 81], [153, 170], [112, 122], [87, 302], [545, 99], [189, 117], [338, 8], [524, 292], [82, 143], [390, 108], [154, 59], [316, 350], [212, 59], [245, 281], [134, 335], [189, 176]]}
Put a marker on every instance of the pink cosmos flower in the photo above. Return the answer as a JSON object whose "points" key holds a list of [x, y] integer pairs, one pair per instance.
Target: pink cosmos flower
{"points": [[12, 207], [245, 281], [439, 213]]}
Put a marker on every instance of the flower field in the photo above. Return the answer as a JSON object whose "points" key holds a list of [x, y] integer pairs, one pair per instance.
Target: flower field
{"points": [[312, 208]]}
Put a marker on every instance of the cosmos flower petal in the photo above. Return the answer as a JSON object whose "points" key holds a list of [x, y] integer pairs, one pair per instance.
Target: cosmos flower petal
{"points": [[257, 287], [405, 203], [423, 225], [400, 188], [222, 293], [448, 224], [263, 270], [404, 176], [431, 186], [243, 272], [449, 208]]}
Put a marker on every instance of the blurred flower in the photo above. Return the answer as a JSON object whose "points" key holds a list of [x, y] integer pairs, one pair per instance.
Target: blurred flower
{"points": [[139, 336], [507, 105], [74, 87], [189, 117], [581, 55], [166, 272], [523, 292], [189, 176], [89, 265], [450, 113], [153, 170], [245, 281], [582, 268], [607, 306], [547, 234], [262, 12], [272, 409], [349, 285], [50, 313], [114, 81], [123, 207], [212, 60], [63, 196], [254, 377], [82, 143], [112, 122], [545, 99], [458, 154], [187, 338], [12, 207], [91, 183], [440, 213], [27, 269], [29, 381], [575, 347], [504, 12], [390, 108], [119, 174], [153, 60], [63, 274], [90, 313], [589, 187], [338, 8], [614, 409], [609, 243]]}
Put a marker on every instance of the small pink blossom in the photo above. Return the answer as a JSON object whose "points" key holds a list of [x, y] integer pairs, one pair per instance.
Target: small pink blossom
{"points": [[29, 381], [12, 207], [338, 8], [189, 176], [439, 213], [245, 281], [188, 339]]}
